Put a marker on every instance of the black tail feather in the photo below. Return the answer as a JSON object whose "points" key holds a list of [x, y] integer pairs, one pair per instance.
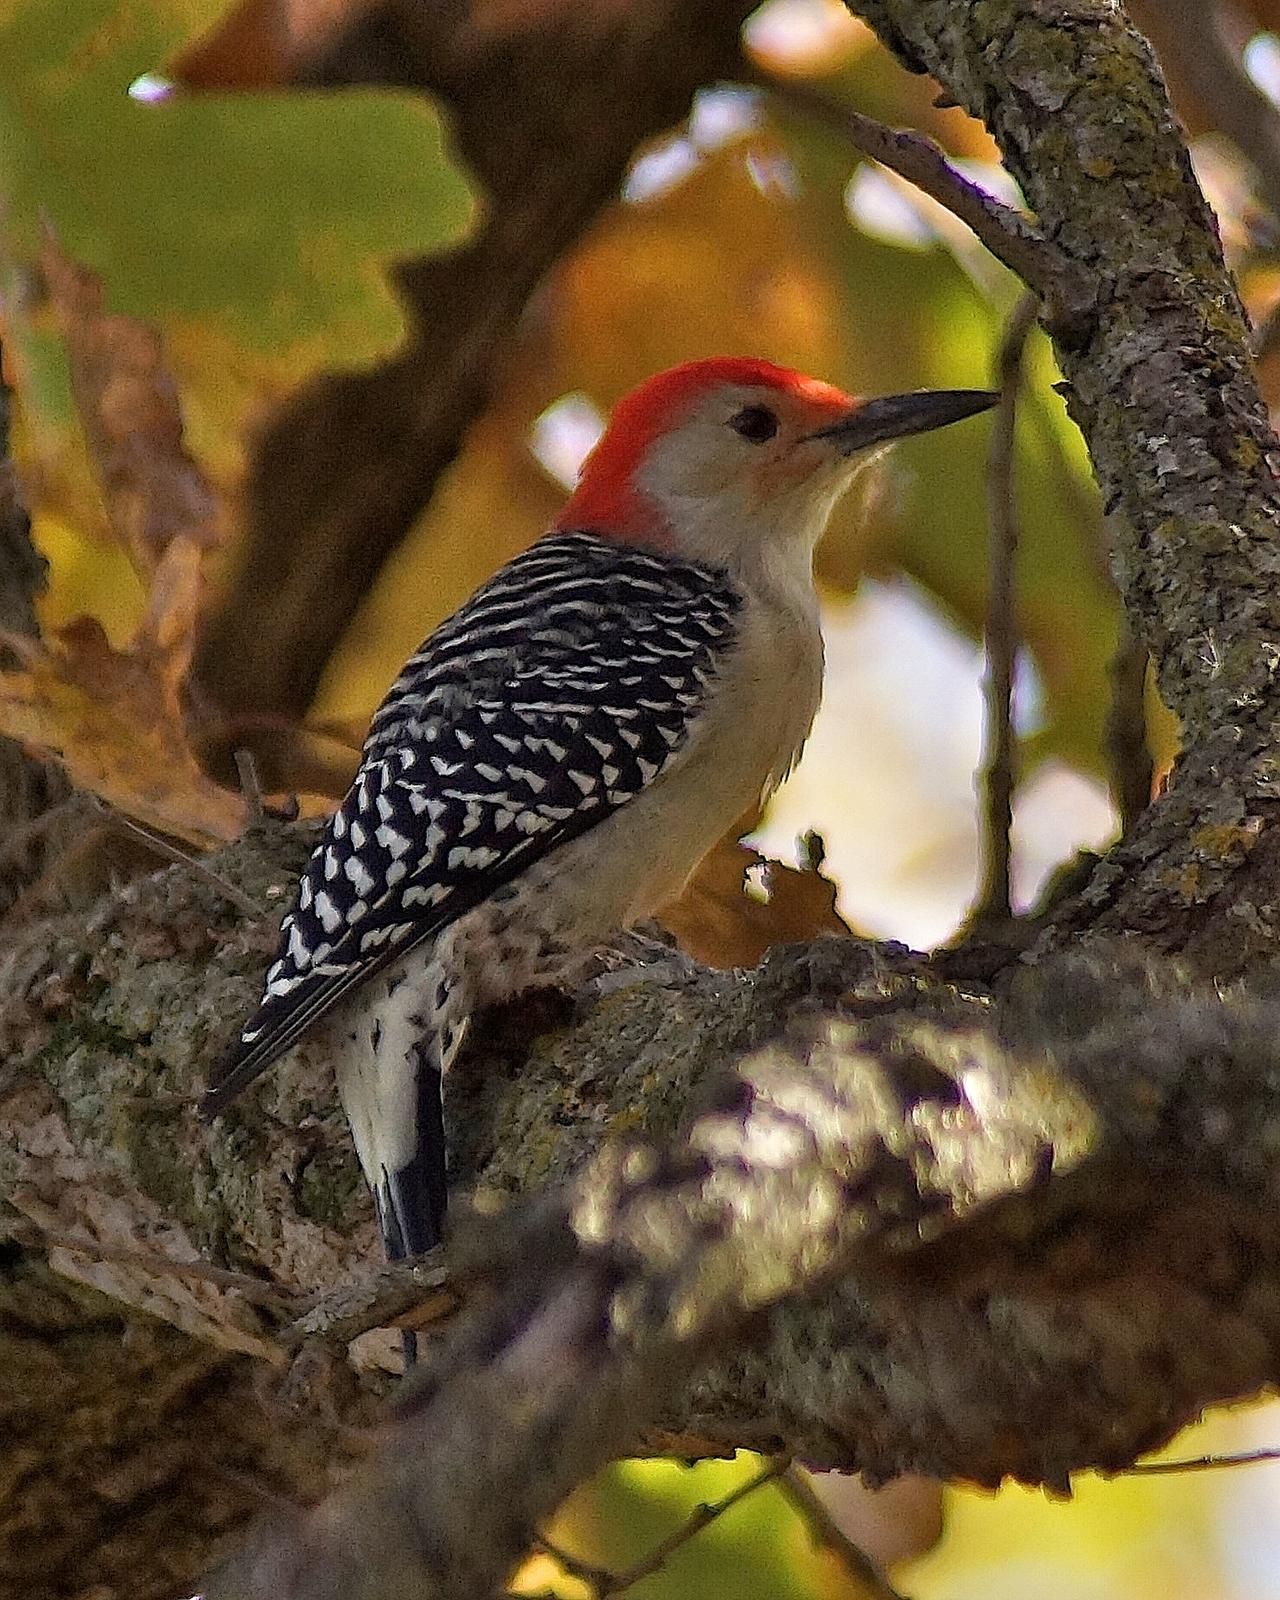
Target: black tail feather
{"points": [[411, 1201]]}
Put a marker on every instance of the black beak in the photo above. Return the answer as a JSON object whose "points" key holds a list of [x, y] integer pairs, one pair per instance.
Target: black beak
{"points": [[895, 415]]}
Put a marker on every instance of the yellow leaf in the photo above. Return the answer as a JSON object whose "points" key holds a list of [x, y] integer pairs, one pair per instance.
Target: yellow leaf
{"points": [[113, 719], [115, 714]]}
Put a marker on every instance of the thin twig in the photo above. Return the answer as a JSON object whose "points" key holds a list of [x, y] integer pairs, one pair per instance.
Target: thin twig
{"points": [[1154, 1469], [826, 1531], [603, 1583], [250, 786], [163, 1100], [1009, 235], [1125, 733], [31, 1233], [1001, 629], [171, 852], [392, 1294]]}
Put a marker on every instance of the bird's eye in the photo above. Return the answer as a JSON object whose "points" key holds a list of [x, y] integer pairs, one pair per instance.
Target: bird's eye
{"points": [[756, 424]]}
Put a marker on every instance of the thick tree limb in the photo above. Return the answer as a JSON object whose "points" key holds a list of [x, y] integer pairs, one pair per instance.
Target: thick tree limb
{"points": [[1037, 1221], [871, 1153], [973, 1338]]}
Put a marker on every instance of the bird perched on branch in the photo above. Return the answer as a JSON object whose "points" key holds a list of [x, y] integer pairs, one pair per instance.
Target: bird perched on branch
{"points": [[559, 755]]}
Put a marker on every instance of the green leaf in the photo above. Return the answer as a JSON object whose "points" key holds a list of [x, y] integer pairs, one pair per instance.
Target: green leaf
{"points": [[271, 214], [254, 231]]}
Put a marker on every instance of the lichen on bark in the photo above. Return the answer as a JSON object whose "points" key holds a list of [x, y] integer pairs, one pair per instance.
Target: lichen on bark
{"points": [[1158, 377]]}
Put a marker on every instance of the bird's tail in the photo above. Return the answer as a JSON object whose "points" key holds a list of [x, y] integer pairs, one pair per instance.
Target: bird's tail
{"points": [[390, 1055], [411, 1201]]}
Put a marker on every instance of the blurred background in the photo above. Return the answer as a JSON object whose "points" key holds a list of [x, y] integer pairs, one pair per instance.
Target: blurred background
{"points": [[297, 360]]}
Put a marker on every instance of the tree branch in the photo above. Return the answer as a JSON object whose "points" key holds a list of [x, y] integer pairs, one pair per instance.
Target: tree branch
{"points": [[1042, 1220], [1000, 636], [603, 1582], [926, 1153], [1178, 433], [1162, 386], [1007, 233]]}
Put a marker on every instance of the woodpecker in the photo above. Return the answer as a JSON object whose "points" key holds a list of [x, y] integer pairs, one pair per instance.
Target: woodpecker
{"points": [[557, 757]]}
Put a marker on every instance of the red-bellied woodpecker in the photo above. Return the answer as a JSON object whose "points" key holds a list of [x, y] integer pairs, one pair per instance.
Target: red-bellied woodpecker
{"points": [[557, 758]]}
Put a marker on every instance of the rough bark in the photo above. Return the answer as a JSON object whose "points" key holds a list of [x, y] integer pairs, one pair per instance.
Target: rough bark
{"points": [[1055, 1240], [872, 1158], [1057, 1231]]}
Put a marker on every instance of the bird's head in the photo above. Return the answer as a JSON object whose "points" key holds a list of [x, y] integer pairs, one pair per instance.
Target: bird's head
{"points": [[736, 462]]}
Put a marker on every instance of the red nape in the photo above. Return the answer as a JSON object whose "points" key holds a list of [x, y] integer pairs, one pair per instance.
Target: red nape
{"points": [[607, 500]]}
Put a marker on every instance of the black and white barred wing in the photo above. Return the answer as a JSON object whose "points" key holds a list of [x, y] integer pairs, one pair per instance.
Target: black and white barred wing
{"points": [[563, 688]]}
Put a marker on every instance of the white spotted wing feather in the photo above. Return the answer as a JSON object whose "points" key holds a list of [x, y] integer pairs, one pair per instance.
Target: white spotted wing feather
{"points": [[562, 690]]}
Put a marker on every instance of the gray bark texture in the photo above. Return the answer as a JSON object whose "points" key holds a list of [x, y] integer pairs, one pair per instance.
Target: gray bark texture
{"points": [[851, 1204]]}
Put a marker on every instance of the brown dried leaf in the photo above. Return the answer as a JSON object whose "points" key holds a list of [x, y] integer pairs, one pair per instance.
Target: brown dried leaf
{"points": [[128, 403], [727, 920], [116, 716], [113, 717], [899, 1522]]}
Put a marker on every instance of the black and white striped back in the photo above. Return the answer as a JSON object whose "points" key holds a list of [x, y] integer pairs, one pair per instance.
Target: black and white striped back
{"points": [[559, 691]]}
